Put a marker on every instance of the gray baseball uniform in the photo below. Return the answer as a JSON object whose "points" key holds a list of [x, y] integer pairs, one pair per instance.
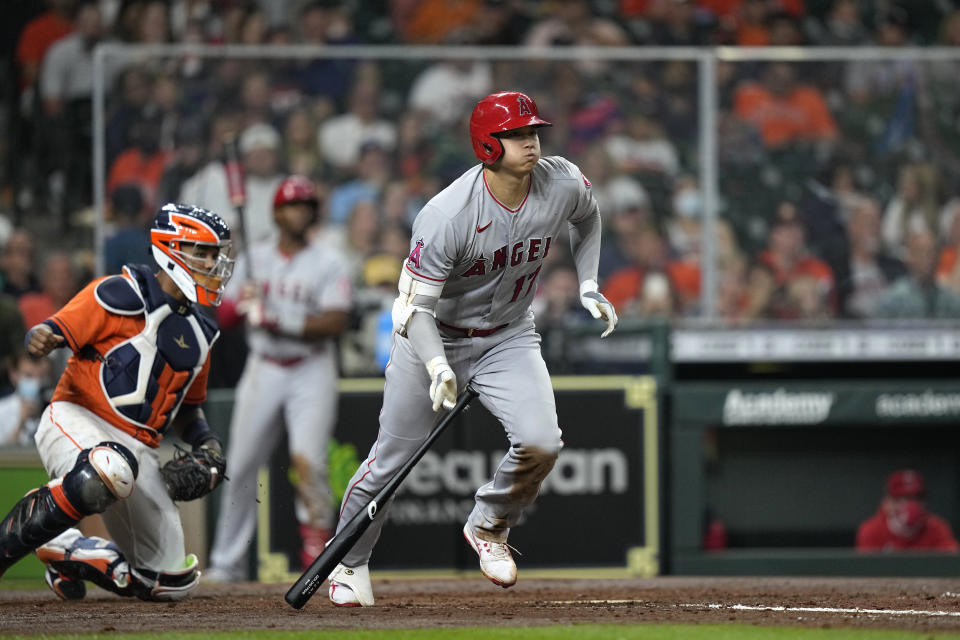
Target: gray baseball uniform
{"points": [[286, 381], [487, 258]]}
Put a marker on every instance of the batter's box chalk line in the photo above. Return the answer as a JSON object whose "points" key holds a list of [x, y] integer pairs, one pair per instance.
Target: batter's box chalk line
{"points": [[853, 610]]}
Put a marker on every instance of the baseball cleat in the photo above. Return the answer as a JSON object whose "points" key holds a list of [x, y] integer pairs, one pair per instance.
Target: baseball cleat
{"points": [[64, 587], [496, 561], [350, 587]]}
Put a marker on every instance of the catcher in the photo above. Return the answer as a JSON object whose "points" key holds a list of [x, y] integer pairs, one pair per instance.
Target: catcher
{"points": [[138, 369]]}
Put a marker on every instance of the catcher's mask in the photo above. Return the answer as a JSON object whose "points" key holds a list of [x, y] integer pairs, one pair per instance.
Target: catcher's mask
{"points": [[500, 112], [192, 245]]}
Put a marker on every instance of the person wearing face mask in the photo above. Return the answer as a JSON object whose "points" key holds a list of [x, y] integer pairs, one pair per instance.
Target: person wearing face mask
{"points": [[20, 410], [902, 523]]}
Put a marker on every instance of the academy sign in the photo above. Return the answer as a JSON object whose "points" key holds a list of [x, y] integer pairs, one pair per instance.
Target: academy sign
{"points": [[776, 407]]}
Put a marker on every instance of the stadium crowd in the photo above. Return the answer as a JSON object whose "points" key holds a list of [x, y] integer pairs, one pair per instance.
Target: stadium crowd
{"points": [[839, 181]]}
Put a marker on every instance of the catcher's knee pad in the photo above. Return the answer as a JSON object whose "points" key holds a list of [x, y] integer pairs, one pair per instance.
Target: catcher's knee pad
{"points": [[102, 475], [166, 586]]}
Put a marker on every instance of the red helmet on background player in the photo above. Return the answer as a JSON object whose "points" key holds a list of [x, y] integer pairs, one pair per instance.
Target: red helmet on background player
{"points": [[296, 189], [178, 230], [500, 112]]}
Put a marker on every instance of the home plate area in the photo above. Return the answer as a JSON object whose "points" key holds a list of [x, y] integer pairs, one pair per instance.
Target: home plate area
{"points": [[916, 604]]}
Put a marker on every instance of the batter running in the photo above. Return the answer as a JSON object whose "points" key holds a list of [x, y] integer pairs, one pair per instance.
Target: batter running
{"points": [[463, 315]]}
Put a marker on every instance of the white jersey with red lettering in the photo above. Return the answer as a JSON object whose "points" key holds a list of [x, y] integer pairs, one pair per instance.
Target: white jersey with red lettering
{"points": [[287, 382], [488, 256]]}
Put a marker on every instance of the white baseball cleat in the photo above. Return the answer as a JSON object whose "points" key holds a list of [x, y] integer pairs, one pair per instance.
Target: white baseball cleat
{"points": [[496, 561], [350, 586]]}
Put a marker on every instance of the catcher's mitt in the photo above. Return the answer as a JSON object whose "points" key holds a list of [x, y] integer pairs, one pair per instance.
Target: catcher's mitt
{"points": [[192, 475]]}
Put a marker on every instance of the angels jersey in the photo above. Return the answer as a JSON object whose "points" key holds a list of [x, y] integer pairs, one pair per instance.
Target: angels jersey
{"points": [[309, 282], [487, 256]]}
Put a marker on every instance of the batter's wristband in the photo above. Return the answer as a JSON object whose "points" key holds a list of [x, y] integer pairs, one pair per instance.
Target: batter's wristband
{"points": [[198, 432]]}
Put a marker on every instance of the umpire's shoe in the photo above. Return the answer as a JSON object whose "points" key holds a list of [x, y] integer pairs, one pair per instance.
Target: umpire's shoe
{"points": [[496, 561], [350, 586]]}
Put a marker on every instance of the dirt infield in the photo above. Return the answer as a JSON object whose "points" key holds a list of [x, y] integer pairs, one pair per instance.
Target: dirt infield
{"points": [[915, 604]]}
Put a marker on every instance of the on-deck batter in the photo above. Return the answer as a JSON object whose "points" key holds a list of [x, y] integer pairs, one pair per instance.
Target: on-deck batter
{"points": [[463, 315], [296, 298]]}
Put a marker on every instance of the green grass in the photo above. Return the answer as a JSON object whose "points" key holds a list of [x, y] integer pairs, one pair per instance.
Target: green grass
{"points": [[576, 632]]}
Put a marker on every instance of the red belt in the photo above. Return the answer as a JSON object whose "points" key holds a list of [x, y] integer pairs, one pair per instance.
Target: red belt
{"points": [[283, 362], [471, 333]]}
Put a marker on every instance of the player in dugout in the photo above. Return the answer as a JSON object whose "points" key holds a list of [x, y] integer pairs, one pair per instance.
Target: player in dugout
{"points": [[902, 523], [141, 356], [463, 316]]}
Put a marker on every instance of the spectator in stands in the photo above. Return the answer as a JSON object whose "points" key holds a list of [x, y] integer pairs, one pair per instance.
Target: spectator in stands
{"points": [[20, 410], [341, 137], [642, 147], [325, 22], [59, 283], [872, 269], [918, 294], [143, 162], [557, 300], [300, 153], [902, 523], [37, 37], [630, 211], [843, 26], [190, 141], [66, 84], [914, 206], [259, 146], [371, 175], [17, 264], [130, 241], [641, 287], [784, 109], [448, 88], [787, 256], [676, 23]]}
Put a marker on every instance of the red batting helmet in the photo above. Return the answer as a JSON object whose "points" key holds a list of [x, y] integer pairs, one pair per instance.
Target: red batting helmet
{"points": [[296, 189], [500, 112]]}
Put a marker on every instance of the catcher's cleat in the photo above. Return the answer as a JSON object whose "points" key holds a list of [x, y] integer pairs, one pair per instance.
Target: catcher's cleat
{"points": [[496, 561], [64, 587], [350, 587], [78, 558]]}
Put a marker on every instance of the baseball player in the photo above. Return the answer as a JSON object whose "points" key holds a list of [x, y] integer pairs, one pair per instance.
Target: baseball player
{"points": [[463, 315], [138, 370], [296, 298]]}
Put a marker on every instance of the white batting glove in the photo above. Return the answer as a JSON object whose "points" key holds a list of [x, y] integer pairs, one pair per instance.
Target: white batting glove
{"points": [[598, 306], [443, 383]]}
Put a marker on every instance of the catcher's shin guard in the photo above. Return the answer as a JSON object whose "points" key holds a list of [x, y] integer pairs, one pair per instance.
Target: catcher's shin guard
{"points": [[72, 558], [166, 586], [36, 519]]}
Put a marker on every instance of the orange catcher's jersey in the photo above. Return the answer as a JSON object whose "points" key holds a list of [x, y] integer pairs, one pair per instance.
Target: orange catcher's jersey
{"points": [[137, 354]]}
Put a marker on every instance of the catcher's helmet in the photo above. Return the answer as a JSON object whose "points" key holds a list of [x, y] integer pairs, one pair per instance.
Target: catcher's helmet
{"points": [[500, 112], [296, 189], [177, 229]]}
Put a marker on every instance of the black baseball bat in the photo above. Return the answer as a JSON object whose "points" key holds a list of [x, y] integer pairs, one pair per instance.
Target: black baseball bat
{"points": [[311, 579]]}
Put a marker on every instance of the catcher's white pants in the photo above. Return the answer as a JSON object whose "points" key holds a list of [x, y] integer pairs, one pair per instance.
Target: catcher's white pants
{"points": [[303, 399], [146, 526]]}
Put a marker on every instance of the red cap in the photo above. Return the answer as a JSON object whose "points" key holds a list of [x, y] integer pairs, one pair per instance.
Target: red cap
{"points": [[905, 483]]}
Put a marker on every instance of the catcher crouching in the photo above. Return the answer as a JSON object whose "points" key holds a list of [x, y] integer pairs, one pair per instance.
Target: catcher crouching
{"points": [[141, 356]]}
